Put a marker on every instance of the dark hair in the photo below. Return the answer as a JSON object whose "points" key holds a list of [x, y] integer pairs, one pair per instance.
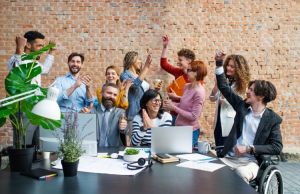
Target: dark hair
{"points": [[75, 55], [200, 68], [265, 89], [149, 95], [110, 85], [32, 35], [187, 53]]}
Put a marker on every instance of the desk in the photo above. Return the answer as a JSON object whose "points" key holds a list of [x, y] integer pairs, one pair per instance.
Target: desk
{"points": [[160, 179]]}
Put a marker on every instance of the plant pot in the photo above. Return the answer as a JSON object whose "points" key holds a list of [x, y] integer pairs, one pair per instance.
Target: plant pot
{"points": [[20, 160], [70, 168], [131, 158]]}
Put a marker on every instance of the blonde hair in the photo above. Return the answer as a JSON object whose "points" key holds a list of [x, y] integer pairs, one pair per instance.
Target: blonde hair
{"points": [[129, 59]]}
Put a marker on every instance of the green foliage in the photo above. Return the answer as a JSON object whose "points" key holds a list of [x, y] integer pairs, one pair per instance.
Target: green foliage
{"points": [[132, 151], [70, 148], [18, 81]]}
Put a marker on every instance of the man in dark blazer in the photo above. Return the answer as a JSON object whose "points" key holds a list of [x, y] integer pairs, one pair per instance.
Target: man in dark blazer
{"points": [[256, 128]]}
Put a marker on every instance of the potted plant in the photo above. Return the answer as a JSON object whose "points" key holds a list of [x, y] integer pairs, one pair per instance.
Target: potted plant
{"points": [[19, 81], [131, 155], [70, 145]]}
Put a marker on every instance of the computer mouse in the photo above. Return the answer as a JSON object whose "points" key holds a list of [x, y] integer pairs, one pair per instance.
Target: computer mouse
{"points": [[114, 155]]}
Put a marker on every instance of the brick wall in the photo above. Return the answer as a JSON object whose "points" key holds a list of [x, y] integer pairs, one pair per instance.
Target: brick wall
{"points": [[267, 33]]}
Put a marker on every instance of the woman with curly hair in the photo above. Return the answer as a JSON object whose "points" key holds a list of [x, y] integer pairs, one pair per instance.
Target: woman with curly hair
{"points": [[237, 72]]}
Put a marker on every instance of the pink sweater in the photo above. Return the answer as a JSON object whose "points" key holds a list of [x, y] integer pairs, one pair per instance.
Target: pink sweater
{"points": [[190, 107]]}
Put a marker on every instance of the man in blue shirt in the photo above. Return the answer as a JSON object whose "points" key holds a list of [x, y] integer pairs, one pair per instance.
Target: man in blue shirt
{"points": [[74, 89]]}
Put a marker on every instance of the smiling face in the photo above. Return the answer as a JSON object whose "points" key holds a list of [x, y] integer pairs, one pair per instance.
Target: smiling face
{"points": [[154, 104], [35, 45], [183, 63], [111, 76], [251, 98], [109, 97], [75, 65], [230, 69], [137, 63]]}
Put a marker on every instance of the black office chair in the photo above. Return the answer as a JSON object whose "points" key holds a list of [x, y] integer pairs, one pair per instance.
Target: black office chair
{"points": [[269, 178]]}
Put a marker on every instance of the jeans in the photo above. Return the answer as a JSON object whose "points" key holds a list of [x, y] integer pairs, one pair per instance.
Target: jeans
{"points": [[196, 134]]}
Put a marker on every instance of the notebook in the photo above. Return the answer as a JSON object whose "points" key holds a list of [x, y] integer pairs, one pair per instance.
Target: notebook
{"points": [[40, 174]]}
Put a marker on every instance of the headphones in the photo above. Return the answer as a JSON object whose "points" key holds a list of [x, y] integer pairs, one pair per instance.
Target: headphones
{"points": [[140, 163]]}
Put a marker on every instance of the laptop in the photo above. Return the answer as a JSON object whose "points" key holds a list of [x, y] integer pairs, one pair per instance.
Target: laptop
{"points": [[172, 140], [50, 143]]}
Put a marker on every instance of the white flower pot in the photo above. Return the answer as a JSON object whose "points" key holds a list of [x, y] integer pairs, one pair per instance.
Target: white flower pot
{"points": [[131, 158]]}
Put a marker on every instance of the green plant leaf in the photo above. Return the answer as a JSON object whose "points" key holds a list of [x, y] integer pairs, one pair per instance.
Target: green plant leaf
{"points": [[8, 110], [33, 55], [2, 121]]}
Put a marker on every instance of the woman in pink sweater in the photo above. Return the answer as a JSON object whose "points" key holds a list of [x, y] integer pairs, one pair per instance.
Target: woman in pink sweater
{"points": [[191, 103]]}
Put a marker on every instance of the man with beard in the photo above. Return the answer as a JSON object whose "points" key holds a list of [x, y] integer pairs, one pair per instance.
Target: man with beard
{"points": [[74, 89], [32, 41], [111, 122]]}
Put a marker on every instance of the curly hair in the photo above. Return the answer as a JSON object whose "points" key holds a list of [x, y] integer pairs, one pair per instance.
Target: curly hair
{"points": [[242, 72], [187, 53]]}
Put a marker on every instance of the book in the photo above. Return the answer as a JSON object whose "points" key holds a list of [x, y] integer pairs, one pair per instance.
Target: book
{"points": [[165, 159], [40, 174], [177, 86]]}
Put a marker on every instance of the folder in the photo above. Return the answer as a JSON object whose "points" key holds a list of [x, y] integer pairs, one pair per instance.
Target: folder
{"points": [[177, 86], [40, 174]]}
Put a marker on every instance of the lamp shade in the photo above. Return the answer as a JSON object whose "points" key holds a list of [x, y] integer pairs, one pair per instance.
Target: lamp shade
{"points": [[48, 107]]}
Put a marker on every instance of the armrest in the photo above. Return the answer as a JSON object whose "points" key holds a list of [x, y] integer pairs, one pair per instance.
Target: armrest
{"points": [[268, 159]]}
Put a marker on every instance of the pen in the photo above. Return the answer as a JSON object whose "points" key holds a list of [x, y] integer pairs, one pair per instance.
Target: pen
{"points": [[47, 176]]}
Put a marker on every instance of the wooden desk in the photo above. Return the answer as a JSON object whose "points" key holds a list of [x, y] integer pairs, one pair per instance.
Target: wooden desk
{"points": [[160, 179]]}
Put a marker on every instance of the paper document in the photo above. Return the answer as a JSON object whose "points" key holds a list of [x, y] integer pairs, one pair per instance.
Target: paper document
{"points": [[196, 157], [102, 165], [205, 166]]}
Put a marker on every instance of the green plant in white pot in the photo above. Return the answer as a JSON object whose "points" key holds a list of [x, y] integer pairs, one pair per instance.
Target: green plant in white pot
{"points": [[131, 155]]}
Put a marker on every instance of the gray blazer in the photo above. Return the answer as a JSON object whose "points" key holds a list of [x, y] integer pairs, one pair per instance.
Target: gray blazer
{"points": [[113, 136]]}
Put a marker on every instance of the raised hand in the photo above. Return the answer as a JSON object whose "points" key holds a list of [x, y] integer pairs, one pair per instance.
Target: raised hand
{"points": [[165, 40], [54, 48], [168, 105], [148, 61], [146, 120], [220, 55], [20, 44], [122, 122], [172, 95], [86, 80]]}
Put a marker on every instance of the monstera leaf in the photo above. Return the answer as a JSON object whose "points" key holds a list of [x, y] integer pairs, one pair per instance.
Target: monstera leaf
{"points": [[19, 78], [19, 81]]}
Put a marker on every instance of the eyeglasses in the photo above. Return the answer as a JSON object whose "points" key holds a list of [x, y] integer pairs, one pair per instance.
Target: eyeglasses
{"points": [[156, 101]]}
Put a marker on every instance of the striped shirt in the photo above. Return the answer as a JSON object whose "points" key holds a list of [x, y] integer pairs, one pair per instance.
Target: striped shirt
{"points": [[142, 138]]}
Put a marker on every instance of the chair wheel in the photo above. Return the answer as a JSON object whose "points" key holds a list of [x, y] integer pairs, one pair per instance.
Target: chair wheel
{"points": [[271, 181]]}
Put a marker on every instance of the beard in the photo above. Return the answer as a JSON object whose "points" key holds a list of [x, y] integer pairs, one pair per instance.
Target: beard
{"points": [[74, 70], [108, 103]]}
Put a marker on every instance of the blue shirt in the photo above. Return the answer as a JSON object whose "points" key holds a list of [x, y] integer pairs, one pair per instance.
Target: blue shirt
{"points": [[77, 100], [135, 93]]}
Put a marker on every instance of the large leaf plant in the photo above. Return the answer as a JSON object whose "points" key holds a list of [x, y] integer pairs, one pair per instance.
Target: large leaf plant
{"points": [[18, 81]]}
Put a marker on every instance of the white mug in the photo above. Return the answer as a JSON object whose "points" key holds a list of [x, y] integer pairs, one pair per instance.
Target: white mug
{"points": [[203, 147], [46, 155]]}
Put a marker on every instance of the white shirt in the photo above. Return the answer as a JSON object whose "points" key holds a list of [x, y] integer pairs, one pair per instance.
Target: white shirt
{"points": [[16, 60]]}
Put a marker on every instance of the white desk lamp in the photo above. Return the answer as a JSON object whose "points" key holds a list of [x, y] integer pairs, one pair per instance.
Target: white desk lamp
{"points": [[47, 108]]}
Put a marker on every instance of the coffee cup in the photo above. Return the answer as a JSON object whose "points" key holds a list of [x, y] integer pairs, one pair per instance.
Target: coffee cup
{"points": [[203, 147], [46, 155]]}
